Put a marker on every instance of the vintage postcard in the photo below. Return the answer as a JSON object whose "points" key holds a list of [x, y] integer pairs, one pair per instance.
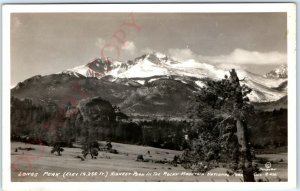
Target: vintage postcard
{"points": [[194, 95]]}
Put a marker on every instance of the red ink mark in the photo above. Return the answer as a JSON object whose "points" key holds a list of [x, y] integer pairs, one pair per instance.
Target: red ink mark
{"points": [[111, 47], [120, 36]]}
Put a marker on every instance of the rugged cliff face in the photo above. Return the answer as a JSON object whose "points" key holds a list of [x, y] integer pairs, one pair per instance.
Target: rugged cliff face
{"points": [[94, 118]]}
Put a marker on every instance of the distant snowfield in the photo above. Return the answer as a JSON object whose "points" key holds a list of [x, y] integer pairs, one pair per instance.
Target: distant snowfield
{"points": [[158, 64]]}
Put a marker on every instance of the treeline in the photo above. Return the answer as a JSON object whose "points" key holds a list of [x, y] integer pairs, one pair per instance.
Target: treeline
{"points": [[268, 129], [91, 119], [96, 119], [68, 124], [166, 134]]}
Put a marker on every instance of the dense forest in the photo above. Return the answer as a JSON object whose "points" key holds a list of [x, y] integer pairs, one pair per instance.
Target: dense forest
{"points": [[45, 125]]}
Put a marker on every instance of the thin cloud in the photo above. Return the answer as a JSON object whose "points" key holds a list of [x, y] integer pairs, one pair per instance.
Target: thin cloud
{"points": [[129, 47], [100, 42], [236, 57], [113, 50], [182, 54], [240, 56]]}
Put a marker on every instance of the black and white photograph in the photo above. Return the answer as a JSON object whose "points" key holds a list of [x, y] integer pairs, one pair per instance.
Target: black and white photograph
{"points": [[151, 96]]}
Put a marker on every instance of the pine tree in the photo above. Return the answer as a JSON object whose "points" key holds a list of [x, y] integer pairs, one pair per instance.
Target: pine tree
{"points": [[226, 133]]}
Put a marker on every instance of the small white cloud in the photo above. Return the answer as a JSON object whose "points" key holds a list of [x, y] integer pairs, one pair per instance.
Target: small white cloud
{"points": [[106, 49], [129, 47], [100, 42], [182, 54], [114, 50]]}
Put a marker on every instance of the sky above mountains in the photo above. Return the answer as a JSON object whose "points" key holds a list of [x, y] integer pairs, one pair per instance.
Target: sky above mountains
{"points": [[43, 43]]}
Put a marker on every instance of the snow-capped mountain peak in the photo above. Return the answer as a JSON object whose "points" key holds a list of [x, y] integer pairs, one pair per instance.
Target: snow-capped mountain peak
{"points": [[265, 88], [99, 68], [280, 72], [156, 58]]}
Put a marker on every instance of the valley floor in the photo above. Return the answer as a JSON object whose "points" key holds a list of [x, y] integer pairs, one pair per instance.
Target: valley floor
{"points": [[40, 165]]}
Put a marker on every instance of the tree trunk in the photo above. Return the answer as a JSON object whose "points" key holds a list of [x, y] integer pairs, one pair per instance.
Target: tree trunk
{"points": [[241, 126], [245, 155]]}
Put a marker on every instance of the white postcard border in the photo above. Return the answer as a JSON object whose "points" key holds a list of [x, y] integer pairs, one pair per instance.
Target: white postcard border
{"points": [[289, 8]]}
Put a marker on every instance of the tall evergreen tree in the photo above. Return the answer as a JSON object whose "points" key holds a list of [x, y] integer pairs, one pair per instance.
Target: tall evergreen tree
{"points": [[227, 105]]}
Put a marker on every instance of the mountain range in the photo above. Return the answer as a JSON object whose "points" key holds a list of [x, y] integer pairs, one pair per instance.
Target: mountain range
{"points": [[151, 85], [150, 67]]}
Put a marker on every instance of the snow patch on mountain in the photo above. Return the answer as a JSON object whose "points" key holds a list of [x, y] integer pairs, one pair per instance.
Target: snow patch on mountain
{"points": [[141, 81], [79, 69], [280, 72], [262, 93], [200, 84], [144, 68], [158, 64]]}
